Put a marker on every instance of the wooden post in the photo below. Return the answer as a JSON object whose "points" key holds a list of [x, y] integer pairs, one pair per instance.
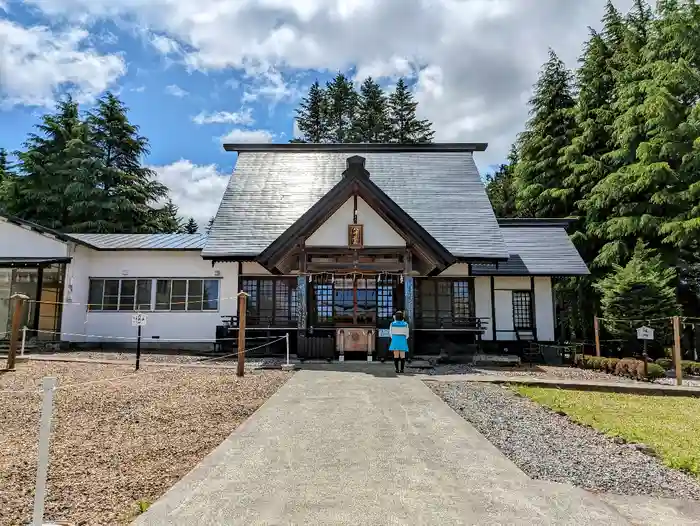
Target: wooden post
{"points": [[677, 349], [596, 328], [14, 336], [242, 307]]}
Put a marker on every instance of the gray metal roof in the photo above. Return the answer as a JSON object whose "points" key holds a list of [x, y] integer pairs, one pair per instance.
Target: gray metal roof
{"points": [[142, 241], [269, 190], [537, 250]]}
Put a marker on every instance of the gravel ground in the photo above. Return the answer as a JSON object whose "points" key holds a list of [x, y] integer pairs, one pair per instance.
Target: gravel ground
{"points": [[548, 446], [251, 363], [119, 442]]}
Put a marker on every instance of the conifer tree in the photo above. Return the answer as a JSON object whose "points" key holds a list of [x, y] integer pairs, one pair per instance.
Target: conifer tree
{"points": [[341, 108], [406, 128], [501, 189], [540, 179], [371, 123], [191, 226], [311, 116]]}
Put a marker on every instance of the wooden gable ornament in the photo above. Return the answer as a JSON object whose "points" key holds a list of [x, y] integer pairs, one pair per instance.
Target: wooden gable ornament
{"points": [[356, 236]]}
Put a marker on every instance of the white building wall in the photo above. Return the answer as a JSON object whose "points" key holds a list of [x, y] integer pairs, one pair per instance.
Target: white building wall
{"points": [[543, 306], [482, 303], [544, 309], [334, 232], [79, 325], [456, 270], [20, 242]]}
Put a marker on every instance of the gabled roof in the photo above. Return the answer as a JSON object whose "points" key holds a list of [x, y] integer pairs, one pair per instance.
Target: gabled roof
{"points": [[544, 249], [356, 181], [272, 188], [142, 241]]}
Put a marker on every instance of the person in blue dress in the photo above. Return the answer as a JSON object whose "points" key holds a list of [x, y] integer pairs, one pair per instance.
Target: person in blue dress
{"points": [[398, 331]]}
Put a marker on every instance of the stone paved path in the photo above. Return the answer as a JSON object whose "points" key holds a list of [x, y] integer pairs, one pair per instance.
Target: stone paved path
{"points": [[366, 448]]}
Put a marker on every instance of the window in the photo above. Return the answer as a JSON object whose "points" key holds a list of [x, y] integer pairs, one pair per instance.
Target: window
{"points": [[119, 294], [522, 309], [126, 295], [272, 302], [192, 295], [443, 302]]}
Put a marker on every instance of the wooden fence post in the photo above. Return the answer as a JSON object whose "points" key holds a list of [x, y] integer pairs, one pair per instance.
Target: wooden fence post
{"points": [[677, 349], [596, 328], [16, 322], [242, 307]]}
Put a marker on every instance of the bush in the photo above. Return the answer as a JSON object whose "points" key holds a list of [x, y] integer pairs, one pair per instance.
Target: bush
{"points": [[655, 371], [665, 363]]}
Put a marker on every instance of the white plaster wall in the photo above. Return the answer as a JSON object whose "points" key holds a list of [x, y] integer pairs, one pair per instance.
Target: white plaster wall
{"points": [[544, 309], [482, 303], [17, 241], [456, 270], [334, 232], [251, 268], [99, 326], [511, 282]]}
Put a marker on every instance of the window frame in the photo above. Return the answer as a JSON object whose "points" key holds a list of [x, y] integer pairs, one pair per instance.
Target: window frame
{"points": [[262, 312], [151, 289], [517, 310], [438, 313]]}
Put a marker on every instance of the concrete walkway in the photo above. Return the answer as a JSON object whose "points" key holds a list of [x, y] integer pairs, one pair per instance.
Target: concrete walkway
{"points": [[367, 448]]}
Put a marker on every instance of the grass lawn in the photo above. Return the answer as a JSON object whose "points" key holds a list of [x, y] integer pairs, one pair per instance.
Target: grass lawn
{"points": [[669, 425]]}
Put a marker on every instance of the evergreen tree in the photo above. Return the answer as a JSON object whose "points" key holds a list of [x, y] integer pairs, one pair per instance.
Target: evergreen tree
{"points": [[500, 187], [406, 128], [311, 116], [167, 219], [641, 290], [372, 120], [130, 189], [341, 108], [191, 226], [57, 188], [5, 169], [541, 181]]}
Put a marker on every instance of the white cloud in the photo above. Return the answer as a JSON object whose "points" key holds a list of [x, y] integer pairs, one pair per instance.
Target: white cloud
{"points": [[139, 89], [238, 135], [195, 189], [176, 91], [164, 45], [473, 59], [245, 116], [36, 63]]}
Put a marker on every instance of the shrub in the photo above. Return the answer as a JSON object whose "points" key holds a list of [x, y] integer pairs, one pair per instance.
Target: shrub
{"points": [[665, 363], [655, 371]]}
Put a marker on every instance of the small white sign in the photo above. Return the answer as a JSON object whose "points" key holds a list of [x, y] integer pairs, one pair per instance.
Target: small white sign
{"points": [[645, 333], [138, 320], [384, 333]]}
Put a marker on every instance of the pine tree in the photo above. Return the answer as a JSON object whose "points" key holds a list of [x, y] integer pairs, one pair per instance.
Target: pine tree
{"points": [[129, 187], [311, 116], [5, 169], [406, 128], [167, 219], [540, 180], [371, 123], [644, 289], [500, 187], [191, 226], [341, 107]]}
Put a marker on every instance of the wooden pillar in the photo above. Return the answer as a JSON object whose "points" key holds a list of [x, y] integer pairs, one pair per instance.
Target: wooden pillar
{"points": [[677, 349], [242, 308], [596, 328], [19, 300]]}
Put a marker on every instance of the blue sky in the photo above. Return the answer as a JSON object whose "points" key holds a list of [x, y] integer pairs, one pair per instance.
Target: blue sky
{"points": [[194, 72]]}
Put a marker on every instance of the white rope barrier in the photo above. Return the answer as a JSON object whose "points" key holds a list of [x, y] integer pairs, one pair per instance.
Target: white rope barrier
{"points": [[165, 369], [149, 338]]}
